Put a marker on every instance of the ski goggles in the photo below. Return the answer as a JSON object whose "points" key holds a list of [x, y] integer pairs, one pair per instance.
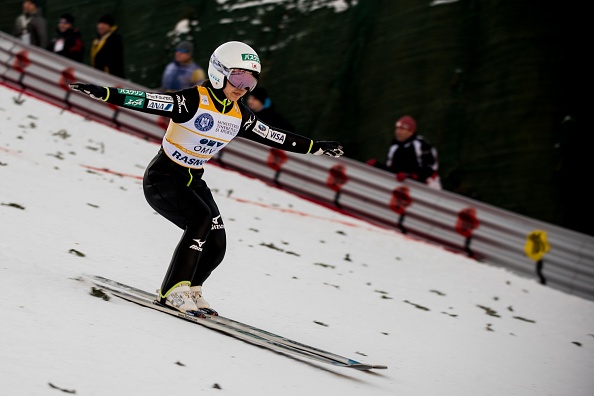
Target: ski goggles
{"points": [[242, 79]]}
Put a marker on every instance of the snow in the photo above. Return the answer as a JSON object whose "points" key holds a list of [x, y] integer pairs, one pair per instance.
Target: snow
{"points": [[442, 323], [303, 6]]}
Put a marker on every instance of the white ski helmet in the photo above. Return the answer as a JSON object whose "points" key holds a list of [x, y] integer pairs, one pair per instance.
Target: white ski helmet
{"points": [[232, 55]]}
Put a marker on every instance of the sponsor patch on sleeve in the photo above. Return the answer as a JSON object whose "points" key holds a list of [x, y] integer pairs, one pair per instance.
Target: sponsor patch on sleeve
{"points": [[261, 129], [134, 101], [276, 136], [131, 92], [204, 100], [159, 97], [153, 104]]}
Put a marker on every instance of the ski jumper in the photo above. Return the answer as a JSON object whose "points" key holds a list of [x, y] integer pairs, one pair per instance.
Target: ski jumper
{"points": [[202, 122]]}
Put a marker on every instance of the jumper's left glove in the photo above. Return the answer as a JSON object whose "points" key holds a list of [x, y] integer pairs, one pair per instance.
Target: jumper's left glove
{"points": [[94, 91], [331, 149]]}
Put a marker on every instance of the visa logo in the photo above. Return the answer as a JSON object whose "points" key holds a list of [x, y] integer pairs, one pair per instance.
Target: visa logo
{"points": [[276, 136]]}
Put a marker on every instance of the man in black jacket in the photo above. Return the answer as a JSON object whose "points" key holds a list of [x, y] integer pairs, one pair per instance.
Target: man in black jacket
{"points": [[107, 51], [259, 102], [68, 41], [410, 155]]}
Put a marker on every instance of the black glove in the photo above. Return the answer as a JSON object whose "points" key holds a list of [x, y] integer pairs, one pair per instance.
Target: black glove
{"points": [[331, 149], [94, 91]]}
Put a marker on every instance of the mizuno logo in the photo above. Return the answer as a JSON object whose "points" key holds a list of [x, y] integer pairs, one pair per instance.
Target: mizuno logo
{"points": [[198, 245], [249, 122], [215, 223], [181, 101]]}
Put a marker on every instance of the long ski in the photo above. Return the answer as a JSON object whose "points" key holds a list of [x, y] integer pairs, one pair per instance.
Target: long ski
{"points": [[230, 327]]}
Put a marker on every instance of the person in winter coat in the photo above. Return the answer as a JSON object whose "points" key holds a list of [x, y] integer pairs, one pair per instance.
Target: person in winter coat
{"points": [[262, 106], [68, 41], [30, 26], [183, 72], [410, 155], [107, 50], [203, 120]]}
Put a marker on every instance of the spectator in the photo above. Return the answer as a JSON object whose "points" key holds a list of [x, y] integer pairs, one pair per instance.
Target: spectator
{"points": [[107, 51], [182, 72], [259, 102], [68, 41], [410, 155], [30, 26]]}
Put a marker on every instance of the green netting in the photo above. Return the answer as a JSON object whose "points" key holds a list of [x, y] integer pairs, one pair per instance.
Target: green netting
{"points": [[490, 82]]}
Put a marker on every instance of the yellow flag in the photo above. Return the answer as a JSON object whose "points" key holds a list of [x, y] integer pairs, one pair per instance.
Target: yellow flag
{"points": [[537, 245]]}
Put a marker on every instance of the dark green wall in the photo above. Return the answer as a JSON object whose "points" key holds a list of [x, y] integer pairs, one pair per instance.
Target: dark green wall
{"points": [[495, 84]]}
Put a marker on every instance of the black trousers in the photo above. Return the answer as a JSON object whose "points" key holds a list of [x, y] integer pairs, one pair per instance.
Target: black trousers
{"points": [[181, 196]]}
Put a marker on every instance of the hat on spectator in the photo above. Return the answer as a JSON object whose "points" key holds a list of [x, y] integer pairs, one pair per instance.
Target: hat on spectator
{"points": [[107, 19], [68, 18], [407, 122], [185, 46], [36, 2], [260, 94]]}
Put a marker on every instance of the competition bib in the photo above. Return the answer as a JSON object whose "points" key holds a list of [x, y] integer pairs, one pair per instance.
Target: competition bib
{"points": [[193, 143]]}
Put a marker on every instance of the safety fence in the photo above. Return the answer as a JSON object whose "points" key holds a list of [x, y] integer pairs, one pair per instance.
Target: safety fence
{"points": [[558, 257]]}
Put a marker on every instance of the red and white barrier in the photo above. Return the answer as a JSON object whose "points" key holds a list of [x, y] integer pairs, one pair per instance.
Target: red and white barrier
{"points": [[552, 255]]}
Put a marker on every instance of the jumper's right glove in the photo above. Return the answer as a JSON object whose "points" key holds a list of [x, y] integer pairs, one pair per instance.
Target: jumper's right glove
{"points": [[94, 91], [331, 149]]}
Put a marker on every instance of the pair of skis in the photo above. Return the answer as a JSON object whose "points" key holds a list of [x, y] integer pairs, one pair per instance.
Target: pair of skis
{"points": [[230, 327]]}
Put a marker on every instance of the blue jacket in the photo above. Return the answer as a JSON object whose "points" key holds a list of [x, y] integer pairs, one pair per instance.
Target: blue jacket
{"points": [[177, 76]]}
